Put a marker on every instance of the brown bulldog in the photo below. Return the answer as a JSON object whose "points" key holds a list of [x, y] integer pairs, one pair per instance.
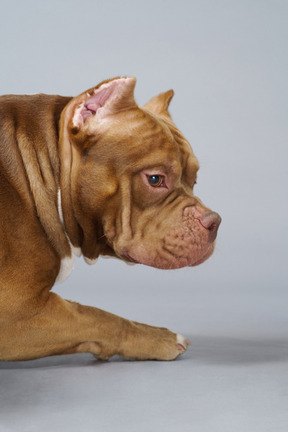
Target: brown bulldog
{"points": [[96, 175]]}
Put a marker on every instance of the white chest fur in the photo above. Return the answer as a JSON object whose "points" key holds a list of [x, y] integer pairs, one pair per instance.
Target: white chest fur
{"points": [[67, 263], [66, 268]]}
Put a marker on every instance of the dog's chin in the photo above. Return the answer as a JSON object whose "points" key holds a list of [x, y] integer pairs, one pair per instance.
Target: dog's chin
{"points": [[175, 263], [204, 257], [130, 259]]}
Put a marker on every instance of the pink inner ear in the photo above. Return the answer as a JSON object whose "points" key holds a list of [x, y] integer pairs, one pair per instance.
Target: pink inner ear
{"points": [[106, 100], [96, 101]]}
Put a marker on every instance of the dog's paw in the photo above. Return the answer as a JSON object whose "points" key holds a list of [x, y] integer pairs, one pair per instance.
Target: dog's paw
{"points": [[170, 346], [143, 342]]}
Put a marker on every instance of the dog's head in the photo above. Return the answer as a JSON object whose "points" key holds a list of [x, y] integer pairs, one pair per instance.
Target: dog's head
{"points": [[127, 180]]}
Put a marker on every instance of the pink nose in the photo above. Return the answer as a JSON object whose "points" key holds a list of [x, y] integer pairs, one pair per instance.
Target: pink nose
{"points": [[211, 221]]}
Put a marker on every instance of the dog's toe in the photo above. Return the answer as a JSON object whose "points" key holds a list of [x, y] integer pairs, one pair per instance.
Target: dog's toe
{"points": [[182, 342]]}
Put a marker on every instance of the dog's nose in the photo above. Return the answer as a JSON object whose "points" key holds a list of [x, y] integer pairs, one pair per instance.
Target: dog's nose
{"points": [[211, 221]]}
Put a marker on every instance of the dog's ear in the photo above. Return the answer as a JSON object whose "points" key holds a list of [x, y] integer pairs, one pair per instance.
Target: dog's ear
{"points": [[159, 104], [97, 104]]}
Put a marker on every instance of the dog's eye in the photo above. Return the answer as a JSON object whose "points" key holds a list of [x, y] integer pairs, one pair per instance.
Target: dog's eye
{"points": [[155, 180]]}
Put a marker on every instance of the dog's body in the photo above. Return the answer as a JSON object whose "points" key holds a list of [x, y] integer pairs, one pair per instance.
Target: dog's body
{"points": [[95, 175]]}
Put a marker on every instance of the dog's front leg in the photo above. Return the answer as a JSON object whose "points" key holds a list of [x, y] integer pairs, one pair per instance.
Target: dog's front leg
{"points": [[64, 327]]}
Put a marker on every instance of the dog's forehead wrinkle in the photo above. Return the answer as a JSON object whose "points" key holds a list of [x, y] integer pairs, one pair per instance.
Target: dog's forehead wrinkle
{"points": [[74, 185], [152, 124], [189, 163]]}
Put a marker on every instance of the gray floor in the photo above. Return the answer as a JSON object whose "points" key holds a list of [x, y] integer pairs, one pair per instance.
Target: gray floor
{"points": [[220, 385], [233, 378]]}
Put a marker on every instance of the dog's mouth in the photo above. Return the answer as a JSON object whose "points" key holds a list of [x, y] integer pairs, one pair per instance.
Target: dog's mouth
{"points": [[205, 256], [128, 258], [131, 259]]}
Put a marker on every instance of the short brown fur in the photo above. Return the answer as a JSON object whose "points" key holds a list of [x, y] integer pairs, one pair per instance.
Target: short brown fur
{"points": [[101, 166]]}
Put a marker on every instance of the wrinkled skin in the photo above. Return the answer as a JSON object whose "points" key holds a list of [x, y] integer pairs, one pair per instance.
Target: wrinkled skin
{"points": [[109, 178], [136, 221]]}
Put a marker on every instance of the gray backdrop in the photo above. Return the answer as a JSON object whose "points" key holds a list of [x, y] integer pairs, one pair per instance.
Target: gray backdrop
{"points": [[227, 62]]}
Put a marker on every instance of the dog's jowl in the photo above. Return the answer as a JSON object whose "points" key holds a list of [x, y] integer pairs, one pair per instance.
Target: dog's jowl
{"points": [[92, 175]]}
